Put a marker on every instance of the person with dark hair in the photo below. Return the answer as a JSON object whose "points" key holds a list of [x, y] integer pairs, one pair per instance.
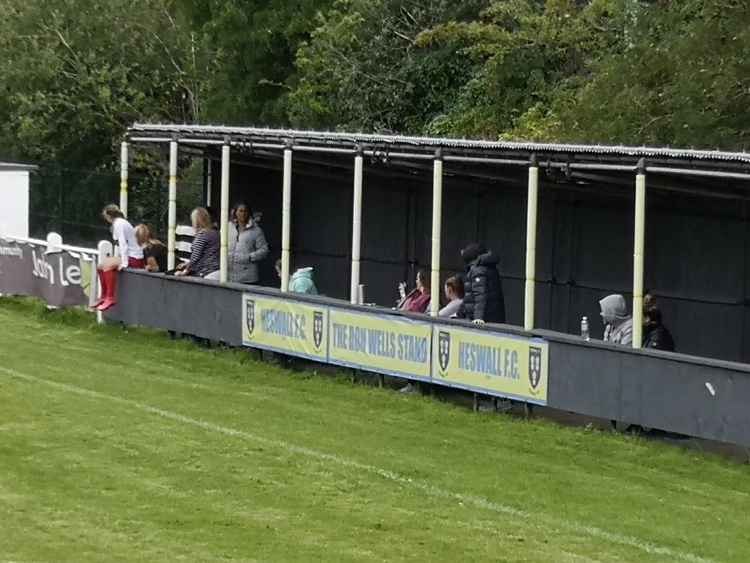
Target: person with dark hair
{"points": [[154, 251], [247, 246], [483, 289], [131, 255], [418, 300], [454, 293], [655, 335]]}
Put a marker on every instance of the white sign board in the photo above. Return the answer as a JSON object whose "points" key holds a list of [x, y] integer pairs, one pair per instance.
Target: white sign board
{"points": [[14, 203]]}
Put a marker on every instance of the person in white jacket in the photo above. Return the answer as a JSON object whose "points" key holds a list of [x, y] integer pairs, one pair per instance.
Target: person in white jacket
{"points": [[247, 246], [454, 293], [131, 255]]}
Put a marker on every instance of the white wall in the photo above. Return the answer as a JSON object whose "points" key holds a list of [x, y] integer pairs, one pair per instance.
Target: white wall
{"points": [[14, 203]]}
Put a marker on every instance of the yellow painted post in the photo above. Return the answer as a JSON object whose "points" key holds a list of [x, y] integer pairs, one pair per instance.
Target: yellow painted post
{"points": [[124, 178], [286, 219], [224, 219], [531, 221], [172, 215], [357, 227], [638, 250], [437, 215]]}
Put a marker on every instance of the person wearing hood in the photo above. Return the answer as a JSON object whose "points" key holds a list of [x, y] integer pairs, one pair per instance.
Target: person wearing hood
{"points": [[618, 325], [483, 290], [301, 281], [247, 246]]}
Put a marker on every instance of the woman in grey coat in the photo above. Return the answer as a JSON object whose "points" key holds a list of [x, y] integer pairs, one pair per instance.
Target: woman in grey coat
{"points": [[247, 246]]}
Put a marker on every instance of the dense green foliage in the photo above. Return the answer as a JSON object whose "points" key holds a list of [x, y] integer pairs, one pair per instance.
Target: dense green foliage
{"points": [[75, 74], [127, 446]]}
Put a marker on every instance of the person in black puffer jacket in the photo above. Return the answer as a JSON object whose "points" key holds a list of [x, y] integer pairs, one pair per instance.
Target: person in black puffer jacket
{"points": [[483, 289], [655, 335]]}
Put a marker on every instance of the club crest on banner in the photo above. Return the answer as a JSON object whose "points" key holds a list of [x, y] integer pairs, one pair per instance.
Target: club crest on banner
{"points": [[535, 367], [250, 316], [444, 350], [318, 328]]}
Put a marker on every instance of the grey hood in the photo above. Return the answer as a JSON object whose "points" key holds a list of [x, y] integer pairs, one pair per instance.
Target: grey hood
{"points": [[614, 309]]}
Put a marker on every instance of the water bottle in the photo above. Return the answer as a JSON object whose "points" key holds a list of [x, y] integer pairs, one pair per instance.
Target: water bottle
{"points": [[585, 329]]}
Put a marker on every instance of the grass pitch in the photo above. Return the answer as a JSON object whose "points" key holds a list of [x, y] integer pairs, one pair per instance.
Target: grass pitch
{"points": [[126, 446]]}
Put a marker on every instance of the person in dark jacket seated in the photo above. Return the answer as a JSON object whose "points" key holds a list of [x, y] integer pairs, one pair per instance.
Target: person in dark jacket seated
{"points": [[483, 289], [154, 251], [655, 334]]}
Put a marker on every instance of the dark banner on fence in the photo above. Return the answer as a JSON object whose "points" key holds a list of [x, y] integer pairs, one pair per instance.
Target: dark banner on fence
{"points": [[59, 277]]}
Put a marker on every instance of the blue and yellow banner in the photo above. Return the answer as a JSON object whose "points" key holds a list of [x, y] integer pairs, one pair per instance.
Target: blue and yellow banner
{"points": [[285, 326], [499, 364], [381, 343]]}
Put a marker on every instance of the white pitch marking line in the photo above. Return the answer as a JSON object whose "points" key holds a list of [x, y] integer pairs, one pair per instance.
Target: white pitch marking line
{"points": [[477, 501]]}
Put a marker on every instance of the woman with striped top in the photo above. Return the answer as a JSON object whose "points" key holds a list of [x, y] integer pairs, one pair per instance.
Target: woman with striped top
{"points": [[204, 258]]}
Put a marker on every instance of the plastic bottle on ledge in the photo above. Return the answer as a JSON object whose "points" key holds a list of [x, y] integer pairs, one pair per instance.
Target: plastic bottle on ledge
{"points": [[585, 329]]}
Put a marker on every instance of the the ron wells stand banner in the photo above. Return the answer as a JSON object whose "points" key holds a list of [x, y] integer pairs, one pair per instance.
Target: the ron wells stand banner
{"points": [[288, 327], [61, 278], [381, 343], [498, 364]]}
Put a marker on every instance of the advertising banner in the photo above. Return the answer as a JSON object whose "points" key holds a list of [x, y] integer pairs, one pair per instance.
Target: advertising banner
{"points": [[489, 362], [288, 327], [380, 343], [61, 278]]}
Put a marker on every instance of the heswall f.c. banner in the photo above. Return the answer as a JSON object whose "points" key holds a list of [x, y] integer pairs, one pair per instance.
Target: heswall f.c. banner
{"points": [[289, 327], [61, 278], [489, 362]]}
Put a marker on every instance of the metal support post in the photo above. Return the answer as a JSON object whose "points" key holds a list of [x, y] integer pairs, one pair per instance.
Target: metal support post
{"points": [[531, 220], [638, 249], [437, 214], [224, 218]]}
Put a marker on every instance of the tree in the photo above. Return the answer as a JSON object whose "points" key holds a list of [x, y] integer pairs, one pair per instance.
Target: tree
{"points": [[682, 80], [76, 74], [256, 42], [525, 53], [364, 70]]}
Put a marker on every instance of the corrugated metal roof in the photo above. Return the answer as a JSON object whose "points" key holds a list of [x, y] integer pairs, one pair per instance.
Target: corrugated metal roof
{"points": [[214, 132]]}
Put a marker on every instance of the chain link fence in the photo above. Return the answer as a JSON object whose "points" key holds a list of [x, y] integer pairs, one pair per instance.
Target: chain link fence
{"points": [[69, 201]]}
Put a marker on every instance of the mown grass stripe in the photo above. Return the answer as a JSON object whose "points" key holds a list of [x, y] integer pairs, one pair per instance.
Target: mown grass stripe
{"points": [[708, 489], [421, 485]]}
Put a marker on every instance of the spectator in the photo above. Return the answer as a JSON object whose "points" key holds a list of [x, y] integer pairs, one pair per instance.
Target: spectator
{"points": [[212, 214], [418, 300], [301, 281], [454, 293], [483, 290], [247, 246], [154, 252], [655, 334], [618, 327], [204, 258], [131, 255]]}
